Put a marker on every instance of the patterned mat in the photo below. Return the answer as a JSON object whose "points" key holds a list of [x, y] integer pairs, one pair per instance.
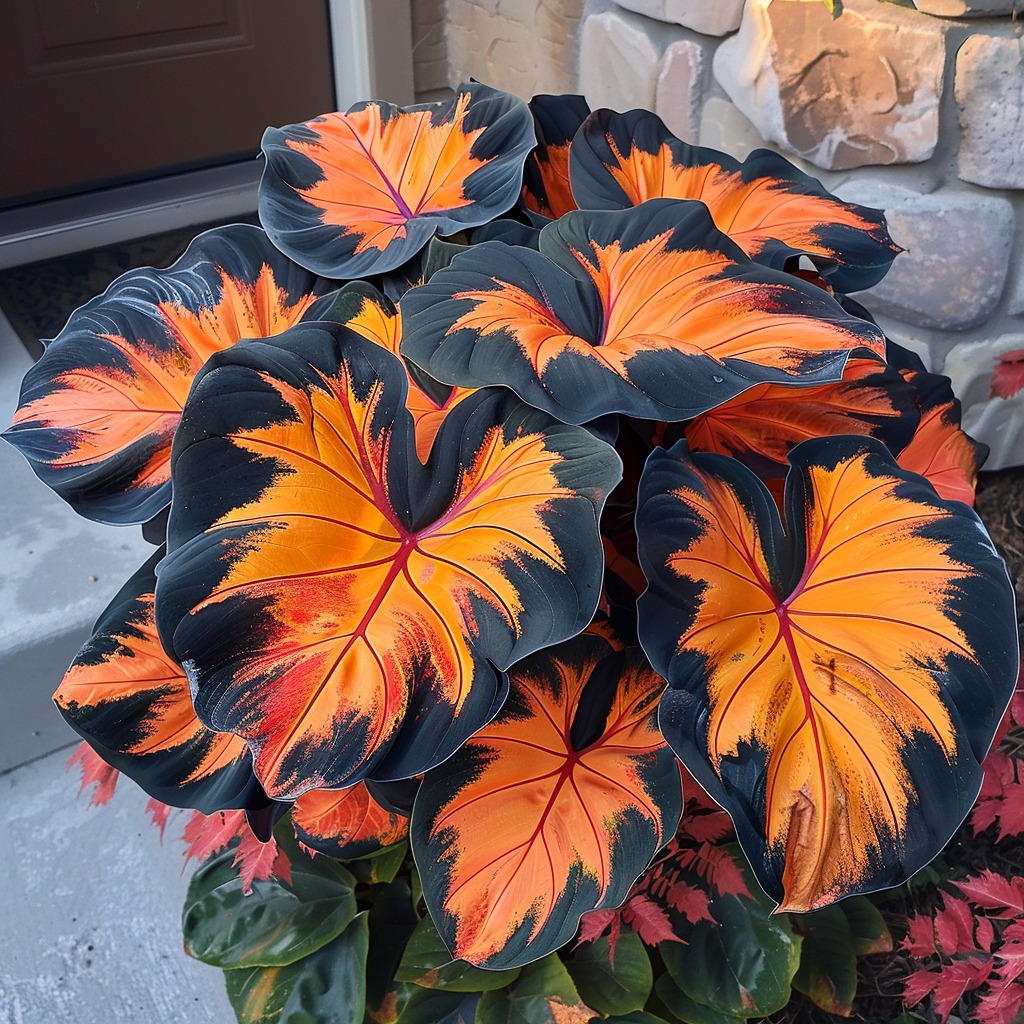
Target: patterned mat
{"points": [[39, 298]]}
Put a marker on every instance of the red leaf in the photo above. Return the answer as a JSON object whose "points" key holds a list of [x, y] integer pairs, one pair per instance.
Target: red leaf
{"points": [[94, 770], [721, 871], [990, 890], [955, 979], [1013, 939], [710, 827], [594, 923], [1008, 375], [159, 813], [920, 939], [257, 861], [692, 903], [954, 927], [918, 986], [1017, 700], [649, 921], [1000, 1005], [207, 834]]}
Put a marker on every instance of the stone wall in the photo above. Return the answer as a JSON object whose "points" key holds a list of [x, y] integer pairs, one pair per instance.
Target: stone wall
{"points": [[917, 112]]}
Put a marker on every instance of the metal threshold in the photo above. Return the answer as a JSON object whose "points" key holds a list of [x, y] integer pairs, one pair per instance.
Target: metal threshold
{"points": [[44, 231]]}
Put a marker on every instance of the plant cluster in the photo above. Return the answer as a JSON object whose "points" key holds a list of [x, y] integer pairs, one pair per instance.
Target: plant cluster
{"points": [[524, 455]]}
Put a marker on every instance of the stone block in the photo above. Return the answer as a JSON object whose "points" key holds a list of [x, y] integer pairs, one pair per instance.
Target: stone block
{"points": [[997, 421], [967, 8], [709, 17], [957, 256], [989, 87], [522, 46], [861, 89], [619, 58], [725, 128], [679, 89]]}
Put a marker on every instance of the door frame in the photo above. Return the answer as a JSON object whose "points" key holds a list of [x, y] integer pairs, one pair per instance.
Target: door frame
{"points": [[371, 45]]}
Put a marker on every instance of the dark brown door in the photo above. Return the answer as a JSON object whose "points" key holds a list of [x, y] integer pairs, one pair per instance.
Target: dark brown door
{"points": [[99, 92]]}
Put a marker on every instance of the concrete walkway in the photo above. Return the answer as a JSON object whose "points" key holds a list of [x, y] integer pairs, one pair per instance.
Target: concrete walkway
{"points": [[91, 901]]}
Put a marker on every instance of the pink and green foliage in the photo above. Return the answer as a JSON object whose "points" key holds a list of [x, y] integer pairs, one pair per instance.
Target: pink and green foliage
{"points": [[526, 461]]}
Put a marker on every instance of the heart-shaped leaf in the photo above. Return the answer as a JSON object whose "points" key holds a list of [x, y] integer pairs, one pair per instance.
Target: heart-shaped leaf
{"points": [[324, 588], [834, 689], [346, 823], [740, 959], [132, 703], [762, 425], [578, 789], [328, 986], [619, 160], [652, 312], [276, 923], [546, 175], [97, 412], [613, 980], [360, 193]]}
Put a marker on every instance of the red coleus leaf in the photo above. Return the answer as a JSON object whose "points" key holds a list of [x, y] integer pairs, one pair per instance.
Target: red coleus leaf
{"points": [[619, 160], [693, 903], [97, 412], [651, 312], [946, 985], [1000, 1005], [822, 680], [346, 823], [578, 789], [954, 927], [132, 701], [1008, 375], [1002, 897], [207, 834], [1001, 800], [359, 193], [159, 814], [546, 175], [332, 589], [920, 937], [95, 772], [651, 921]]}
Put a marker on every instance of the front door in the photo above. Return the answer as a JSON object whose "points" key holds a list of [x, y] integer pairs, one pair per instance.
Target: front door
{"points": [[100, 92]]}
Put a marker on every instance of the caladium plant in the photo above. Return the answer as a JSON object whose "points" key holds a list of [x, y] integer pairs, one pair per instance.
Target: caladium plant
{"points": [[526, 476]]}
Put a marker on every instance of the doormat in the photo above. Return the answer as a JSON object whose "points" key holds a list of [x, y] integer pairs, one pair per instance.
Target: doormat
{"points": [[38, 298]]}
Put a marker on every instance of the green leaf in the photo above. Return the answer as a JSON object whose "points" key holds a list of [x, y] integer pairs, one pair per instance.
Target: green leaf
{"points": [[686, 1009], [618, 984], [637, 1017], [743, 962], [828, 963], [381, 866], [429, 1006], [327, 986], [392, 920], [543, 993], [868, 927], [428, 962], [835, 7], [276, 924]]}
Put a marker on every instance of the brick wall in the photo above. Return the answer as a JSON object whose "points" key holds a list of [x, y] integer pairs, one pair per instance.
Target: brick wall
{"points": [[918, 112]]}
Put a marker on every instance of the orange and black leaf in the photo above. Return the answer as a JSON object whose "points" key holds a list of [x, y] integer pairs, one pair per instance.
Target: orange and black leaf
{"points": [[651, 312], [344, 607], [940, 450], [346, 823], [97, 412], [360, 193], [578, 790], [836, 688], [763, 204], [131, 702], [546, 174], [761, 426]]}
